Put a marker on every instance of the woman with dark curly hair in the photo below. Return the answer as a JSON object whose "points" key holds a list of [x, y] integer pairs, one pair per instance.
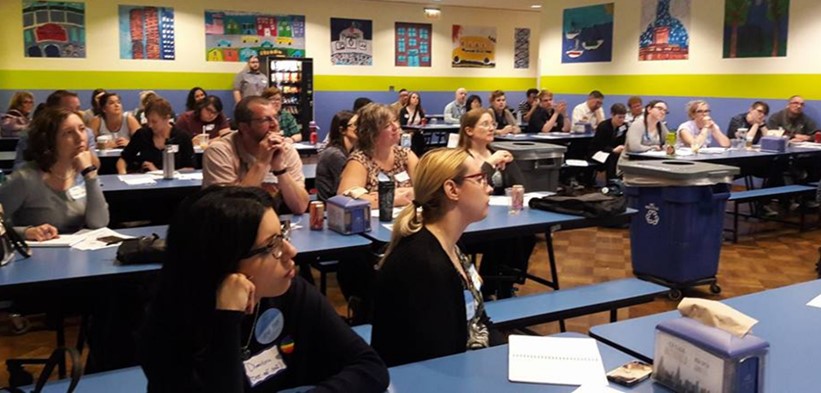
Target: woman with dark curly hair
{"points": [[58, 190], [195, 96]]}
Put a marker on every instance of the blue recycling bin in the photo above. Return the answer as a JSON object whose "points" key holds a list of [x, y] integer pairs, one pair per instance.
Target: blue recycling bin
{"points": [[676, 236]]}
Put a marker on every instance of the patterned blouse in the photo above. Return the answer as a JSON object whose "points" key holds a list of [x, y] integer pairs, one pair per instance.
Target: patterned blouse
{"points": [[400, 165]]}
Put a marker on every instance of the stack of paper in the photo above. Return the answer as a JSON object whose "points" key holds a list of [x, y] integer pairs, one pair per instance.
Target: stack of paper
{"points": [[136, 180], [555, 360], [86, 239]]}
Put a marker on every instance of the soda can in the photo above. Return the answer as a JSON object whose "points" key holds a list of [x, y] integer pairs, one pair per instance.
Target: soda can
{"points": [[818, 137], [406, 140], [317, 215], [517, 199]]}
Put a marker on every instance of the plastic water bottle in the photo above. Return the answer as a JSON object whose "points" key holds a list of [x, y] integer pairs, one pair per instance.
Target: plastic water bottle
{"points": [[385, 190], [313, 128]]}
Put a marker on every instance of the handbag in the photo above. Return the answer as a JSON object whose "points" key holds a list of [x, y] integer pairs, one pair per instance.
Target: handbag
{"points": [[10, 241], [592, 205], [57, 357], [141, 250]]}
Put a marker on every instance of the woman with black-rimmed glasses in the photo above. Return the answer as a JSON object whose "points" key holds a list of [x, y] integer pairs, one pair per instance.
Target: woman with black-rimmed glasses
{"points": [[428, 293], [648, 132], [230, 315]]}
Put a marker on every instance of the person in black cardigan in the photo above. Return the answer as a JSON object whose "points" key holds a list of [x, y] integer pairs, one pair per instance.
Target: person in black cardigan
{"points": [[145, 151], [228, 302], [428, 301], [609, 138]]}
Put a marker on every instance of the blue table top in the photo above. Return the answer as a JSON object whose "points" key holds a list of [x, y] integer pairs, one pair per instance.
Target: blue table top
{"points": [[785, 321], [731, 155], [474, 371], [500, 223], [64, 263], [112, 183]]}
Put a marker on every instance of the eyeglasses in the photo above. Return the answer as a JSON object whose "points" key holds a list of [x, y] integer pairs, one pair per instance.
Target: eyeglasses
{"points": [[211, 110], [28, 101], [705, 111], [275, 99], [267, 119], [480, 178], [275, 246], [662, 109], [489, 125], [797, 103]]}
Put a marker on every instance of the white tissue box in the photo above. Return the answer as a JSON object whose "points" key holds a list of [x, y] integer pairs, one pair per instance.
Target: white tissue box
{"points": [[692, 357]]}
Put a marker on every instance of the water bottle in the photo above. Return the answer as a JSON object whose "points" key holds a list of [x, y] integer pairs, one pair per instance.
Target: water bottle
{"points": [[168, 161], [385, 190], [313, 129]]}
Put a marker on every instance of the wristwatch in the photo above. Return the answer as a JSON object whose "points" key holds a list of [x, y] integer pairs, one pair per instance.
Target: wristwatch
{"points": [[280, 172], [89, 169]]}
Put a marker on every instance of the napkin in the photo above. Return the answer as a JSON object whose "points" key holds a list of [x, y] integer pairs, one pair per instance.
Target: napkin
{"points": [[718, 315]]}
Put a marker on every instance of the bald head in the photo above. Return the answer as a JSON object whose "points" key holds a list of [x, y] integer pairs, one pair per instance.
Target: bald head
{"points": [[461, 95]]}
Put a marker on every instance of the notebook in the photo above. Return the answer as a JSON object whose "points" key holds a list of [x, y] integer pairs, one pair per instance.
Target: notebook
{"points": [[555, 360]]}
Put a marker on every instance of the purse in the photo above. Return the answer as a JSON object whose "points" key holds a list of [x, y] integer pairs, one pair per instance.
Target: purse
{"points": [[55, 360], [141, 250], [592, 205], [10, 241]]}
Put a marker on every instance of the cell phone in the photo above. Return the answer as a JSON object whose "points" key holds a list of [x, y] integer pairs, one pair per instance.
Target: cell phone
{"points": [[631, 373], [109, 240]]}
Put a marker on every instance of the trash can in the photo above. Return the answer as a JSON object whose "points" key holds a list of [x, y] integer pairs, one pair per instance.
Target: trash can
{"points": [[540, 163], [676, 236]]}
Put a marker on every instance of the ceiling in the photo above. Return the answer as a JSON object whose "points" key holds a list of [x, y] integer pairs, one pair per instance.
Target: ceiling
{"points": [[522, 5]]}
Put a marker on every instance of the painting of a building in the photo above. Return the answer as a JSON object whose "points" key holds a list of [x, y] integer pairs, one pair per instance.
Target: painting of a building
{"points": [[236, 36], [146, 33], [666, 37], [54, 29]]}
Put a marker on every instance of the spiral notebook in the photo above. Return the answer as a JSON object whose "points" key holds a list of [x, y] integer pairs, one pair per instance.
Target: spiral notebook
{"points": [[555, 360]]}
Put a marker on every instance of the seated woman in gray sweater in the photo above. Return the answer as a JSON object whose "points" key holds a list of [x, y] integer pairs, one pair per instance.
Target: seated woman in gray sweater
{"points": [[58, 190], [341, 141]]}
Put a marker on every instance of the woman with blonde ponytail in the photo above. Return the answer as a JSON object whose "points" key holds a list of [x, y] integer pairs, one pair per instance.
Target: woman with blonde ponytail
{"points": [[428, 294]]}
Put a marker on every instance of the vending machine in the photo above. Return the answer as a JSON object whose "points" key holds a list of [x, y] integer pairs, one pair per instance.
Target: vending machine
{"points": [[295, 78]]}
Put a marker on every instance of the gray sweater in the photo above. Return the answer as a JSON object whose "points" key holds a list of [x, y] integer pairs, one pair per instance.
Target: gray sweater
{"points": [[28, 201]]}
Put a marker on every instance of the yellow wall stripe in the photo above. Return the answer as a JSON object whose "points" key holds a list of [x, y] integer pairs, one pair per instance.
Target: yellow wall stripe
{"points": [[139, 80], [756, 86]]}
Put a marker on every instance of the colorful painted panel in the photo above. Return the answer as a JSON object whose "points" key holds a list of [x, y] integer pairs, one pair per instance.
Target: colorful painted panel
{"points": [[521, 49], [664, 25], [54, 29], [236, 36], [756, 28], [413, 44], [146, 32], [587, 34], [351, 42], [473, 47]]}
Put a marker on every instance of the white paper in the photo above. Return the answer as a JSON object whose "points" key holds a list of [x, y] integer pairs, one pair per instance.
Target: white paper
{"points": [[551, 135], [90, 241], [190, 176], [303, 146], [579, 163], [85, 239], [815, 302], [453, 141], [555, 360], [388, 226], [135, 180], [712, 150], [601, 156]]}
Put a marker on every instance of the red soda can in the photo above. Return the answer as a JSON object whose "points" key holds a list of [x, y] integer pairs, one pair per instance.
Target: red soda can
{"points": [[818, 137], [317, 215], [424, 121]]}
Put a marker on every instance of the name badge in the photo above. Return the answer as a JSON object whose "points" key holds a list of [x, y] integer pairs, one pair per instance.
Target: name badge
{"points": [[474, 276], [470, 305], [77, 192], [402, 177], [264, 365]]}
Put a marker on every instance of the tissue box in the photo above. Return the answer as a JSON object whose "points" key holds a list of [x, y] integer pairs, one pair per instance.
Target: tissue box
{"points": [[774, 143], [348, 216], [692, 357]]}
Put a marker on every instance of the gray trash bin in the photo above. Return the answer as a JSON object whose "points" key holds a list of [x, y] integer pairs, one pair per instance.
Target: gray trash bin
{"points": [[676, 236], [540, 163]]}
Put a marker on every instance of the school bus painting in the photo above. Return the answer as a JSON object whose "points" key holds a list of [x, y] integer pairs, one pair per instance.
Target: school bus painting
{"points": [[475, 51]]}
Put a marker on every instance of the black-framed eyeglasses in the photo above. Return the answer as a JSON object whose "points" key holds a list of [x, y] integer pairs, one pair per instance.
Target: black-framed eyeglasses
{"points": [[705, 111], [662, 109], [275, 247], [480, 178]]}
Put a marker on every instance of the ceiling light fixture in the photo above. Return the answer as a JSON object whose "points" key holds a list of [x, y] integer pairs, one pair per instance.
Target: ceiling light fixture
{"points": [[432, 13]]}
